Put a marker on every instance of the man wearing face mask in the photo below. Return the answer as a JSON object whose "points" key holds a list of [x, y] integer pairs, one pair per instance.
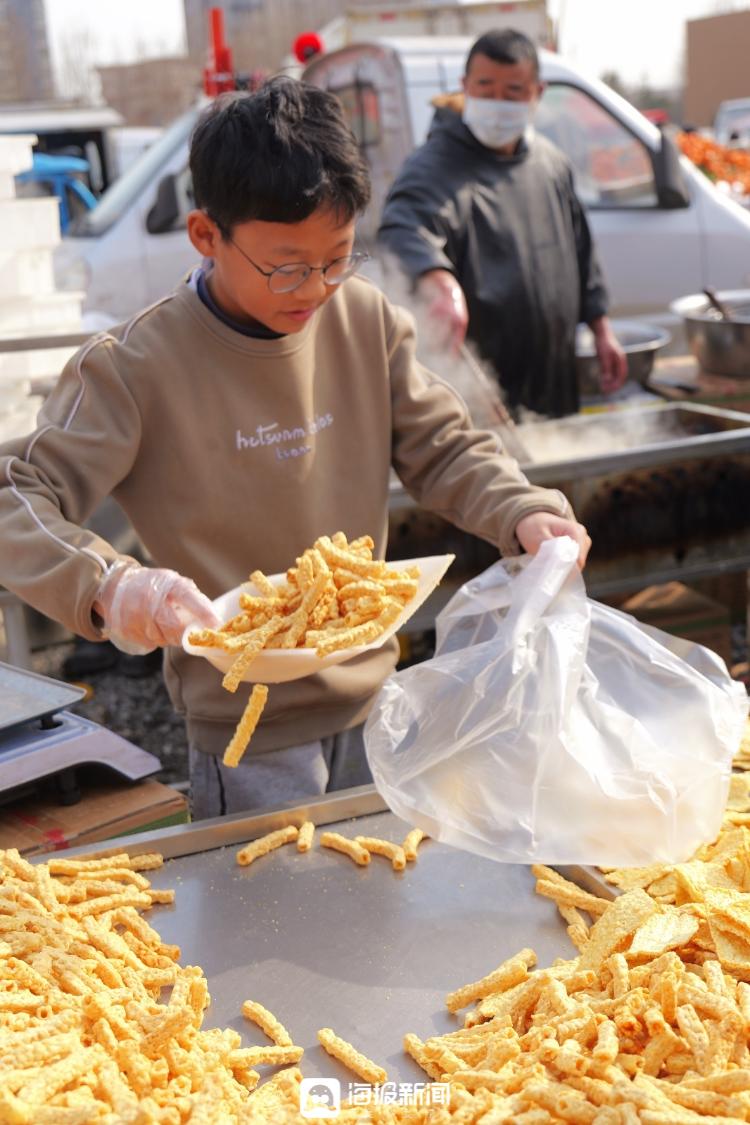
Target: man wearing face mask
{"points": [[485, 220]]}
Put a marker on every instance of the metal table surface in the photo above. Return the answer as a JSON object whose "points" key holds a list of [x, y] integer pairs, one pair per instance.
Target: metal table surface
{"points": [[321, 942]]}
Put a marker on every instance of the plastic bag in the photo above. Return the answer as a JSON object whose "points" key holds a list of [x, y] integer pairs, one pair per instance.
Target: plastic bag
{"points": [[551, 728]]}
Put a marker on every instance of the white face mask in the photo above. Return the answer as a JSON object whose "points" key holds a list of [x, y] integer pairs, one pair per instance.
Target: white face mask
{"points": [[496, 123]]}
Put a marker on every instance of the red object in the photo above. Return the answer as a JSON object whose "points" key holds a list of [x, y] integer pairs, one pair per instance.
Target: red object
{"points": [[658, 116], [307, 45], [218, 76]]}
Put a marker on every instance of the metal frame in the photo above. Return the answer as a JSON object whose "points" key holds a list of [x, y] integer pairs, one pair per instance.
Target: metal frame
{"points": [[323, 941], [226, 831], [734, 440]]}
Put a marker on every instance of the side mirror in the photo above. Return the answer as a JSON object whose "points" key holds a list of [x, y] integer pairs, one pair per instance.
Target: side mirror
{"points": [[166, 209], [671, 186]]}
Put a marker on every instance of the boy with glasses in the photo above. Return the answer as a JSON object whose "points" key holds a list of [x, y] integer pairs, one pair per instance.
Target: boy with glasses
{"points": [[258, 406]]}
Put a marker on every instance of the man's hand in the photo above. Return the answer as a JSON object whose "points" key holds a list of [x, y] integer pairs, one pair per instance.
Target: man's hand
{"points": [[144, 607], [613, 362], [532, 530], [446, 307]]}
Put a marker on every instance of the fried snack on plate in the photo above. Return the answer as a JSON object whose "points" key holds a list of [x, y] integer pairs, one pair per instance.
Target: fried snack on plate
{"points": [[336, 596], [347, 1054], [246, 726], [265, 844], [255, 640], [259, 580]]}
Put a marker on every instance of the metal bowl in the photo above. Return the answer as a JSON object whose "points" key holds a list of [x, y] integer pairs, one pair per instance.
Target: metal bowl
{"points": [[639, 341], [721, 346]]}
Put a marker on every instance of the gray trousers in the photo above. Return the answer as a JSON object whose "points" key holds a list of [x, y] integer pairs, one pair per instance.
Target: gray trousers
{"points": [[267, 780]]}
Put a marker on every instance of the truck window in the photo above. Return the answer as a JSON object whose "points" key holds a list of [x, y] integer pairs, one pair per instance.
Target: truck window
{"points": [[361, 110], [142, 176], [612, 167]]}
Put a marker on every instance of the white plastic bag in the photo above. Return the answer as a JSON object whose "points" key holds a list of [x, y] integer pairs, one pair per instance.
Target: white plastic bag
{"points": [[550, 728]]}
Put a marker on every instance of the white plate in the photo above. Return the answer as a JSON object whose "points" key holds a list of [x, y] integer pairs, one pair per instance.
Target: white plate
{"points": [[276, 666]]}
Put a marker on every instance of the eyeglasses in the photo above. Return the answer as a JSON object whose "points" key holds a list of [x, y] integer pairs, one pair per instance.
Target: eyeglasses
{"points": [[286, 278]]}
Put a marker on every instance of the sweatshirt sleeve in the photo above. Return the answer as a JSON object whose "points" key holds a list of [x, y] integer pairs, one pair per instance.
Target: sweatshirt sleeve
{"points": [[594, 299], [84, 445], [416, 223], [450, 468]]}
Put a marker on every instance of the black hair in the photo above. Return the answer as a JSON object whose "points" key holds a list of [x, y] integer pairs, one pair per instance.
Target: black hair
{"points": [[506, 47], [276, 155]]}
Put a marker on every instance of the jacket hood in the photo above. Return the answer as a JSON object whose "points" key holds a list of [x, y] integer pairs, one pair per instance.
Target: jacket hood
{"points": [[454, 102]]}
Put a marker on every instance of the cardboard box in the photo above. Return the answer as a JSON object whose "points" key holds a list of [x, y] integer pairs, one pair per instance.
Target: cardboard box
{"points": [[683, 612], [38, 824]]}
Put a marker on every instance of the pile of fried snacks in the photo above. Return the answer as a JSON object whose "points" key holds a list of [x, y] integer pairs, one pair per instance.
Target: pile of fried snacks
{"points": [[741, 759], [361, 849], [648, 1025], [84, 1033], [335, 597], [644, 1027]]}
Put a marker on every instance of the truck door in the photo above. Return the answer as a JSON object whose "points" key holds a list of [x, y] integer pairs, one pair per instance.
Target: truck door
{"points": [[369, 83], [169, 252], [128, 266], [649, 254]]}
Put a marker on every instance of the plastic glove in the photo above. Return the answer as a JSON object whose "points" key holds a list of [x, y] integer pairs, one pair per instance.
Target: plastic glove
{"points": [[446, 307], [146, 607]]}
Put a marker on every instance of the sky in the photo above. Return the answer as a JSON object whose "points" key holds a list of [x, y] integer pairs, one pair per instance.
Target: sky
{"points": [[640, 39]]}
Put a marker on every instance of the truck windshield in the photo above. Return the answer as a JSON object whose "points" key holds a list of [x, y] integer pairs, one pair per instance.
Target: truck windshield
{"points": [[144, 173]]}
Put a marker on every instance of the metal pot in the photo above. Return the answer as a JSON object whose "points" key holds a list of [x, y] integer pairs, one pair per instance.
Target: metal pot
{"points": [[721, 346], [639, 341]]}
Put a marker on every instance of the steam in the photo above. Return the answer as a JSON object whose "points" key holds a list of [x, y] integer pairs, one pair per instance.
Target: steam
{"points": [[482, 396], [581, 436], [545, 439]]}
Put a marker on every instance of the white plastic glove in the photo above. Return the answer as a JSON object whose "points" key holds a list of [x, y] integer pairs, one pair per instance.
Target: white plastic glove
{"points": [[145, 607], [446, 308]]}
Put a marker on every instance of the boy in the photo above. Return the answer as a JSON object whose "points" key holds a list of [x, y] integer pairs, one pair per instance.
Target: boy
{"points": [[260, 405]]}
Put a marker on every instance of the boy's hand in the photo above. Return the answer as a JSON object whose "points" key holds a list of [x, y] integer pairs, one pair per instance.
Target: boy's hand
{"points": [[145, 607], [532, 530]]}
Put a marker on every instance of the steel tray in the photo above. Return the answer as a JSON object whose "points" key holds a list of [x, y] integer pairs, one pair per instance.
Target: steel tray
{"points": [[620, 441], [323, 943]]}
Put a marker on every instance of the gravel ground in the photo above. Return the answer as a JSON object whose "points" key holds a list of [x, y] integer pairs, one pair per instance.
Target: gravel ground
{"points": [[138, 710]]}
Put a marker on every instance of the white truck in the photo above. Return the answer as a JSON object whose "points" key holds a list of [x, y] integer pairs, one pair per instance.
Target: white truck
{"points": [[661, 227], [464, 17]]}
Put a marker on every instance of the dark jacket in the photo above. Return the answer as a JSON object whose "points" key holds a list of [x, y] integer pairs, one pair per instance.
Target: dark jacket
{"points": [[513, 232]]}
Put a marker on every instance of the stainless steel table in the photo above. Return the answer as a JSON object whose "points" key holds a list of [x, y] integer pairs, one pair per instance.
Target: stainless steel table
{"points": [[323, 943]]}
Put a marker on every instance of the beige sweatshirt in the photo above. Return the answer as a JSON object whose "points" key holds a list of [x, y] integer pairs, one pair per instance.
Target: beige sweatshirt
{"points": [[230, 453]]}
